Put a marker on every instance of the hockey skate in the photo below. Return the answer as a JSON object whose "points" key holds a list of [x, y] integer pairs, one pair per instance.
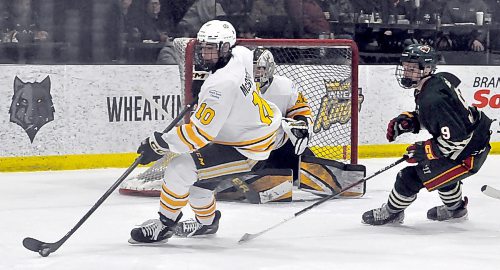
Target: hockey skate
{"points": [[442, 213], [192, 227], [154, 230], [382, 216]]}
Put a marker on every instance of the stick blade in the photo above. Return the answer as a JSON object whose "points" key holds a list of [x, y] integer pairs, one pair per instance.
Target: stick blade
{"points": [[490, 191], [44, 249], [32, 244], [247, 237]]}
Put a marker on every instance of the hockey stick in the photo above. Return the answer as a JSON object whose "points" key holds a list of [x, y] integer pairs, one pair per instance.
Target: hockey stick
{"points": [[44, 249], [150, 98], [491, 192], [250, 193], [238, 181], [249, 236]]}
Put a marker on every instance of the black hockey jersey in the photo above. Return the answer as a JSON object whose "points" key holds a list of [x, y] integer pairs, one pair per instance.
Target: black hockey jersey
{"points": [[457, 129]]}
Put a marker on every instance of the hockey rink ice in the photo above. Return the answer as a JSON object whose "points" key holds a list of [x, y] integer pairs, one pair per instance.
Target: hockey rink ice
{"points": [[46, 205]]}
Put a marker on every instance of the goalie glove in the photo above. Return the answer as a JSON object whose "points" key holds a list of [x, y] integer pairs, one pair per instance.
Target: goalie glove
{"points": [[405, 122], [298, 132], [152, 148]]}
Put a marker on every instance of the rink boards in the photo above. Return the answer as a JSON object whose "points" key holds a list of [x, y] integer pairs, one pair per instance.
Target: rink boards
{"points": [[95, 116]]}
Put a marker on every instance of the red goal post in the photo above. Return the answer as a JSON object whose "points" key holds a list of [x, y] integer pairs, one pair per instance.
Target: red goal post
{"points": [[326, 70]]}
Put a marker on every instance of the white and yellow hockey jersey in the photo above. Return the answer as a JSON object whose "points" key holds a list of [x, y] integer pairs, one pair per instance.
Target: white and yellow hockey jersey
{"points": [[285, 94], [231, 112]]}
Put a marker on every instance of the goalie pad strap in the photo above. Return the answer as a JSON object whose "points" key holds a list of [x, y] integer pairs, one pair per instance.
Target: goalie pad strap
{"points": [[325, 177]]}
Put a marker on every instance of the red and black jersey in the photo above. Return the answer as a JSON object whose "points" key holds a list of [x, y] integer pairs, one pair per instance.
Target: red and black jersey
{"points": [[457, 129]]}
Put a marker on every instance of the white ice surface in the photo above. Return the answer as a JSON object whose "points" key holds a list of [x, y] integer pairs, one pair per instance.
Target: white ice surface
{"points": [[46, 205]]}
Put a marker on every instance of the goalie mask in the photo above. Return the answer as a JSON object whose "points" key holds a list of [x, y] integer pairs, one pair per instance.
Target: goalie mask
{"points": [[215, 39], [416, 62], [264, 66]]}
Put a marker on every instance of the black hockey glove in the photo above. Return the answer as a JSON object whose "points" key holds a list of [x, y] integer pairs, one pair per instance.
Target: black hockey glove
{"points": [[152, 148], [298, 132], [405, 122], [421, 151]]}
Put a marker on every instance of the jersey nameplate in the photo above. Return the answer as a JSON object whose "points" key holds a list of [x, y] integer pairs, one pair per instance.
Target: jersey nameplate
{"points": [[247, 85]]}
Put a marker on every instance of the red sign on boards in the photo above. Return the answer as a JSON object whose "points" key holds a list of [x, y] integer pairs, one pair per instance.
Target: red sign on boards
{"points": [[486, 97]]}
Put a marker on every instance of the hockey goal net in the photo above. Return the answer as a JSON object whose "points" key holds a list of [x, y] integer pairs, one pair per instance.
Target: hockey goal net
{"points": [[326, 71]]}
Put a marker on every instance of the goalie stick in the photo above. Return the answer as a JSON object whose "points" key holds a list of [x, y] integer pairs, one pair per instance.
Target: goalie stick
{"points": [[491, 192], [44, 249], [249, 236]]}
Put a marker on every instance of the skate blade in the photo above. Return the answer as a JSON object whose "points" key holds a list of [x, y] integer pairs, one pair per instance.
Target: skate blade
{"points": [[394, 223], [158, 243], [390, 224], [455, 220], [196, 236]]}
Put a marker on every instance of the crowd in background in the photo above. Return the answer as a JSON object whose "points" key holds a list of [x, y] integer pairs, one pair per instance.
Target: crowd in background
{"points": [[127, 31]]}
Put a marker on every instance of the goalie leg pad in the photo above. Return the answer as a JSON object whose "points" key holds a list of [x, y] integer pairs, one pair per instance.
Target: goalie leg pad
{"points": [[325, 177], [269, 185]]}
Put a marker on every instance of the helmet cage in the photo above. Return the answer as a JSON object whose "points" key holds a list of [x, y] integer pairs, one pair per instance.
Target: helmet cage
{"points": [[211, 63], [426, 59], [264, 66]]}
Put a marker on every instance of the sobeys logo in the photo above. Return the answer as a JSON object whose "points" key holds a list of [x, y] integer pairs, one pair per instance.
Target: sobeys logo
{"points": [[335, 105]]}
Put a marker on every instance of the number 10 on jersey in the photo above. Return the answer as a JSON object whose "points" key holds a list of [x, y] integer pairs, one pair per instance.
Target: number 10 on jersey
{"points": [[206, 114]]}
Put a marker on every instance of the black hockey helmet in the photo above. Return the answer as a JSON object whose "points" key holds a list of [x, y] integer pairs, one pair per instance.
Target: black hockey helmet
{"points": [[423, 55]]}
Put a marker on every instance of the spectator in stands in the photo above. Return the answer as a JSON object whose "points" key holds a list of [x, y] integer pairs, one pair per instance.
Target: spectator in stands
{"points": [[402, 7], [199, 13], [495, 10], [167, 55], [175, 9], [128, 22], [309, 15], [494, 6], [394, 40], [430, 8], [341, 11], [271, 19], [367, 6], [246, 29], [462, 11], [4, 14], [153, 27], [21, 24]]}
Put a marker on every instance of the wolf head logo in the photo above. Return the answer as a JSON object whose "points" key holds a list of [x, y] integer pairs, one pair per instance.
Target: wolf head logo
{"points": [[31, 106]]}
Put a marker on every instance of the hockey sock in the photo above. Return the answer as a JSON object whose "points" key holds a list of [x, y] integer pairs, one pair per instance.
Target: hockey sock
{"points": [[397, 202], [171, 203], [203, 203], [451, 196]]}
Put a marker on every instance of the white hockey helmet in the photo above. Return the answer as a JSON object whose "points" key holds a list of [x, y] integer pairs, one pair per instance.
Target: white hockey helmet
{"points": [[264, 66], [218, 32], [223, 36]]}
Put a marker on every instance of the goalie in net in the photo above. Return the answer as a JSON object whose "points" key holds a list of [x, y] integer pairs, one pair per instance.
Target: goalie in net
{"points": [[319, 176]]}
